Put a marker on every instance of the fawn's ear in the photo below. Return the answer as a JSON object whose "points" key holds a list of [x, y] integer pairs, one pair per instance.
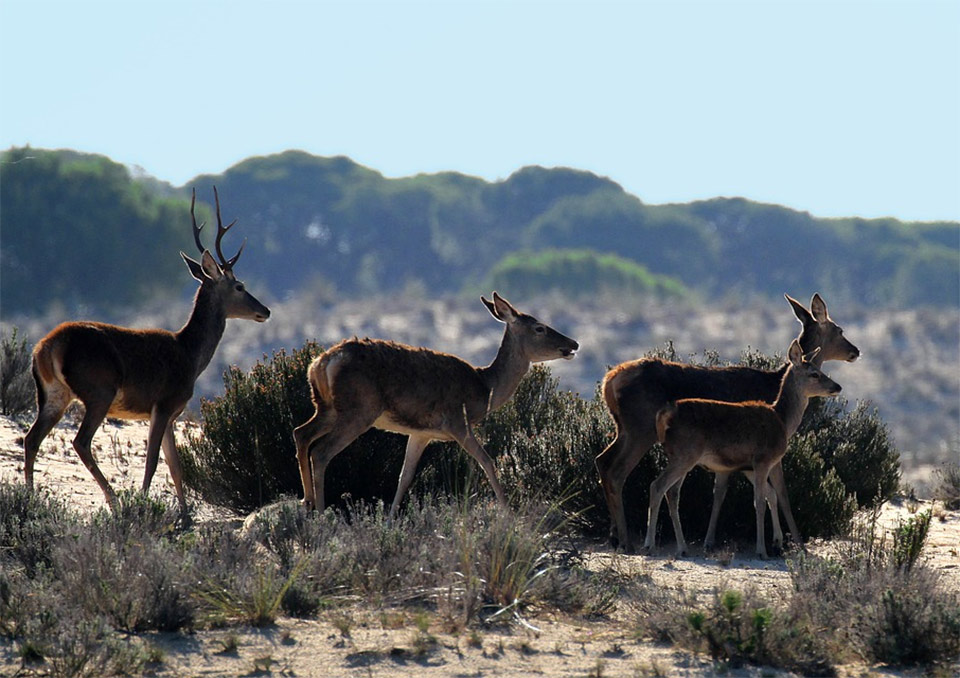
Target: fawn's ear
{"points": [[803, 315], [818, 307], [811, 355], [795, 354]]}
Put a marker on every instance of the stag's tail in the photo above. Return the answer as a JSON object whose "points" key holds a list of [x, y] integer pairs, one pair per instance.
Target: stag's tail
{"points": [[665, 420]]}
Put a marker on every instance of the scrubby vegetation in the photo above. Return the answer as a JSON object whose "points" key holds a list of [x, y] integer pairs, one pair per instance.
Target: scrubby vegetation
{"points": [[16, 386], [71, 588], [876, 596]]}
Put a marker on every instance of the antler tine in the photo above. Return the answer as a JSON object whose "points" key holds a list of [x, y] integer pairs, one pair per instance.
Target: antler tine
{"points": [[196, 229], [221, 231]]}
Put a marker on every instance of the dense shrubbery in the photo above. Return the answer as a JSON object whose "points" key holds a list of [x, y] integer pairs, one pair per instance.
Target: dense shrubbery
{"points": [[16, 386], [544, 442]]}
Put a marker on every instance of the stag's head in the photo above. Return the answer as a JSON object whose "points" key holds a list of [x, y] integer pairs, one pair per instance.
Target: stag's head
{"points": [[218, 277], [820, 332], [537, 341]]}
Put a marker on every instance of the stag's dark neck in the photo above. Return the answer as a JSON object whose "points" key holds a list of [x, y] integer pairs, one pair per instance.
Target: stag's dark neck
{"points": [[791, 403], [503, 375], [202, 333]]}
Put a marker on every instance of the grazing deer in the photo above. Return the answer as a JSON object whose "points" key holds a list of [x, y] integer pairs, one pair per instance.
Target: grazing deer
{"points": [[635, 391], [727, 437], [138, 374], [364, 383]]}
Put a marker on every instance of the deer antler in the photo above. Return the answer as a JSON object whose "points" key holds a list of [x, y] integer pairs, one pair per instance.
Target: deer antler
{"points": [[227, 264], [196, 229]]}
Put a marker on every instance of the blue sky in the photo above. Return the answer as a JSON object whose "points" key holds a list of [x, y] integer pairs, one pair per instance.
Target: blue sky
{"points": [[838, 108]]}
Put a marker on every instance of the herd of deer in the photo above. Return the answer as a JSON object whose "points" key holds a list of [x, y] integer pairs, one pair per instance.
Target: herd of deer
{"points": [[725, 419]]}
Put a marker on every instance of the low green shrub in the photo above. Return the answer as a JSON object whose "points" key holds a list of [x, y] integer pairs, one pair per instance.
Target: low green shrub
{"points": [[16, 384]]}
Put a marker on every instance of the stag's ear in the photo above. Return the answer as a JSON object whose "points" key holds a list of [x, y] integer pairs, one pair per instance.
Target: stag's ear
{"points": [[819, 308], [210, 266], [803, 315], [195, 269], [795, 354]]}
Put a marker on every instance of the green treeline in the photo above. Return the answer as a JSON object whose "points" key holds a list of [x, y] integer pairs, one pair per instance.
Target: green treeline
{"points": [[79, 230]]}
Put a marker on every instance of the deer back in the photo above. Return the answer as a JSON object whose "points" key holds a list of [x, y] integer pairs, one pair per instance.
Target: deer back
{"points": [[649, 383], [417, 387], [725, 436]]}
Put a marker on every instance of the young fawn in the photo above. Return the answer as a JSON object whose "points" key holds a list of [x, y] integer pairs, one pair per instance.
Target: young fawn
{"points": [[635, 391], [425, 394], [726, 437]]}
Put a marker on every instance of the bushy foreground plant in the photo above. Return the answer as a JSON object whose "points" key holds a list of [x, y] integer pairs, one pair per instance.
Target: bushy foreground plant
{"points": [[878, 599]]}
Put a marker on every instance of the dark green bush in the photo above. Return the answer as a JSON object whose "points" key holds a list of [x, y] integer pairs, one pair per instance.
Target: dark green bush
{"points": [[246, 458], [16, 385]]}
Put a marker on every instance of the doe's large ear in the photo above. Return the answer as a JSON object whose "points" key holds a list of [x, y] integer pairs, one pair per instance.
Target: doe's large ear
{"points": [[505, 309], [818, 307], [803, 315], [501, 309], [795, 354]]}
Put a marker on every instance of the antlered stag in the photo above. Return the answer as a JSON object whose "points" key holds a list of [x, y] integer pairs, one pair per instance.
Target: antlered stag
{"points": [[138, 373]]}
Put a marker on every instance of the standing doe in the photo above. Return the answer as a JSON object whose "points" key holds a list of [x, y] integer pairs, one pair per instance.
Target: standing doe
{"points": [[138, 374], [364, 383], [635, 391], [726, 437]]}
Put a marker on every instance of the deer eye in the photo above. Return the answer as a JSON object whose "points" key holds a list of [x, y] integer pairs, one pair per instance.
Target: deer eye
{"points": [[539, 329], [238, 287]]}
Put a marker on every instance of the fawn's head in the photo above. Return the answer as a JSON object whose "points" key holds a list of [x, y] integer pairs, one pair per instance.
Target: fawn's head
{"points": [[811, 381], [537, 342], [218, 278], [820, 332]]}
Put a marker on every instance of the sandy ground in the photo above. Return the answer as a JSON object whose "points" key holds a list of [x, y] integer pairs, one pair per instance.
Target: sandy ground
{"points": [[373, 643]]}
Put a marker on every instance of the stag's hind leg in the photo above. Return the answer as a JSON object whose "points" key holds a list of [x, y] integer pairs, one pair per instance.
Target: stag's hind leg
{"points": [[52, 402], [96, 412]]}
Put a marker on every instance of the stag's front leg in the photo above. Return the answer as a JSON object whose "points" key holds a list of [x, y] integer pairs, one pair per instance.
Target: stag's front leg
{"points": [[172, 457]]}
